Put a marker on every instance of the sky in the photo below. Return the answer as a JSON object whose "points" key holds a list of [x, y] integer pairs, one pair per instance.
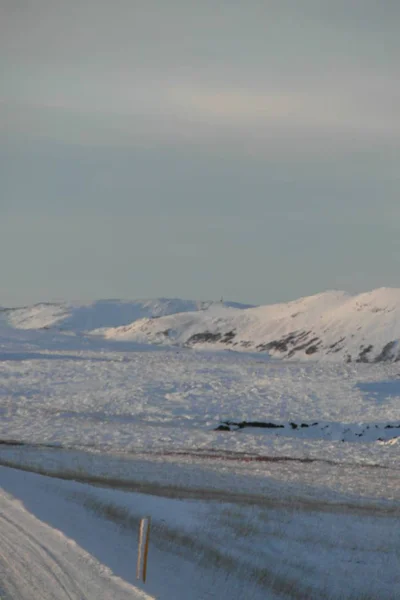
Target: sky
{"points": [[192, 149]]}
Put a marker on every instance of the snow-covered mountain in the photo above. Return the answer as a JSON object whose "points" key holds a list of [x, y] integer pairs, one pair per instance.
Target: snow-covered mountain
{"points": [[99, 314], [332, 325]]}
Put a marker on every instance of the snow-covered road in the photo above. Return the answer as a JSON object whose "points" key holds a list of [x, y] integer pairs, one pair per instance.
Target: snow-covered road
{"points": [[64, 539], [39, 562]]}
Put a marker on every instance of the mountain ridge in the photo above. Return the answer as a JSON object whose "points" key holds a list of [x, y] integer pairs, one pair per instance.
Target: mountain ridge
{"points": [[332, 325], [84, 317]]}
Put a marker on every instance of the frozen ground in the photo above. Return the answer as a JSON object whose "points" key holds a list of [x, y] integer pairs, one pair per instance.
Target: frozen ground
{"points": [[168, 401], [199, 549], [289, 512]]}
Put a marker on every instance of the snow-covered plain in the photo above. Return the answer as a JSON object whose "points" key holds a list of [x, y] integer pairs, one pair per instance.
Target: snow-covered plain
{"points": [[288, 512]]}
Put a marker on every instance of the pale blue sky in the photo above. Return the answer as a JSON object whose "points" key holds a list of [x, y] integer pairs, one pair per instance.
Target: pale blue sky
{"points": [[198, 149]]}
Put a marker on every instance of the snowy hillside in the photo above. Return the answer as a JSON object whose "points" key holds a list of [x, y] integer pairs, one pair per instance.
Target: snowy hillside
{"points": [[333, 325], [102, 313]]}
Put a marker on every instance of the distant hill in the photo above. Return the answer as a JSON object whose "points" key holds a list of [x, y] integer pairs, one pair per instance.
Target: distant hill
{"points": [[99, 314], [333, 325]]}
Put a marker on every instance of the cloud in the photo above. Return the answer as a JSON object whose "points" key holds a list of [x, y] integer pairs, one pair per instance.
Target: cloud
{"points": [[285, 112], [332, 116], [268, 74]]}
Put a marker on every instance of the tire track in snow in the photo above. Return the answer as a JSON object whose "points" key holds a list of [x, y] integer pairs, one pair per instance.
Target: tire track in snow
{"points": [[197, 453], [38, 553], [38, 562]]}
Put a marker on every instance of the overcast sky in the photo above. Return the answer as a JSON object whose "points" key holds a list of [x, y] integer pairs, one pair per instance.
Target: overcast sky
{"points": [[198, 148]]}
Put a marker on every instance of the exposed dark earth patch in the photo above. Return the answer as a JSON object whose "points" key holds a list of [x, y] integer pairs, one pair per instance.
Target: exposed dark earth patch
{"points": [[207, 336], [32, 445], [11, 443], [244, 424], [281, 345], [332, 431], [336, 346], [301, 342], [363, 356], [387, 353], [310, 347]]}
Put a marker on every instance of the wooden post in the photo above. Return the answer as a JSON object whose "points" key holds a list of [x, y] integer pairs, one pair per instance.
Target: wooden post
{"points": [[143, 548], [140, 544], [146, 549]]}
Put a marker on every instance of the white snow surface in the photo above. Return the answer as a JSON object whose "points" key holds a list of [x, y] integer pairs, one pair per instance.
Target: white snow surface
{"points": [[198, 549], [40, 562], [114, 398], [323, 496], [96, 315], [333, 325]]}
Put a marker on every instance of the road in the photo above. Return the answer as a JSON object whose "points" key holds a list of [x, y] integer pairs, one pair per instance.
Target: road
{"points": [[38, 562]]}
